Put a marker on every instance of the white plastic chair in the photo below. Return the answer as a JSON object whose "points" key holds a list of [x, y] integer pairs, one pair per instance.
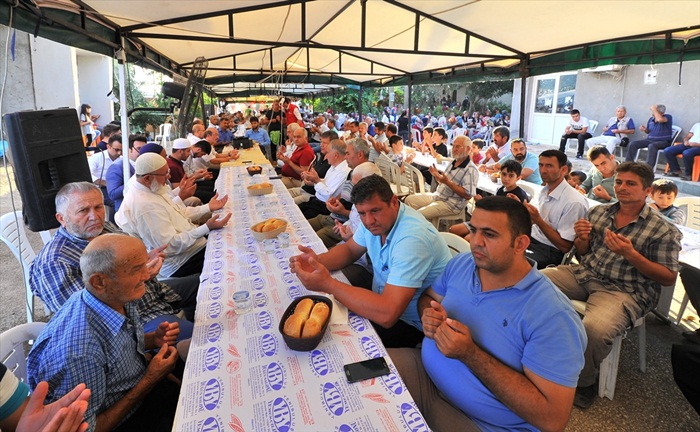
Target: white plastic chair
{"points": [[391, 173], [528, 189], [14, 236], [676, 132], [691, 206], [461, 216], [455, 243], [12, 352], [163, 137], [416, 136], [607, 377], [415, 178], [592, 126]]}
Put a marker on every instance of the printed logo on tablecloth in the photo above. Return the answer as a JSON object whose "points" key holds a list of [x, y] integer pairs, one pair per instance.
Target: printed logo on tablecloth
{"points": [[217, 235], [212, 391], [258, 283], [274, 376], [250, 248], [282, 414], [212, 359], [252, 258], [211, 424], [294, 292], [319, 362], [280, 255], [214, 310], [288, 278], [218, 245], [260, 299], [268, 345], [255, 270], [249, 239], [218, 253], [214, 332], [356, 322], [284, 265], [217, 277], [392, 382], [215, 292], [217, 264], [413, 419], [332, 399], [264, 320], [370, 347]]}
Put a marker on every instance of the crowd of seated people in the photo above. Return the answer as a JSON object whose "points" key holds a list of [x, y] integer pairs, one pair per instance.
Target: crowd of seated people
{"points": [[444, 335]]}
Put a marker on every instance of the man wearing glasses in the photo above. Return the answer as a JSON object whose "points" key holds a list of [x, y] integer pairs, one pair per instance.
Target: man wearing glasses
{"points": [[101, 161]]}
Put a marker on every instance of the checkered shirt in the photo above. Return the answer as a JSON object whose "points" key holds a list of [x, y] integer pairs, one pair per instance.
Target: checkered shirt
{"points": [[652, 236], [89, 342], [466, 175], [55, 275]]}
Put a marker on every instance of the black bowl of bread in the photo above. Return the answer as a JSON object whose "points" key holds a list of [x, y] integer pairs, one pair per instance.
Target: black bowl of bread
{"points": [[254, 169], [305, 321]]}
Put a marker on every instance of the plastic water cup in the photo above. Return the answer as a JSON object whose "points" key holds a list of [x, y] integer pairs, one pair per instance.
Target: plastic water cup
{"points": [[242, 302], [283, 239], [269, 245]]}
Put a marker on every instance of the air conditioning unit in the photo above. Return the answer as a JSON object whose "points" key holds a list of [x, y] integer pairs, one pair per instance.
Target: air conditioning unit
{"points": [[602, 69]]}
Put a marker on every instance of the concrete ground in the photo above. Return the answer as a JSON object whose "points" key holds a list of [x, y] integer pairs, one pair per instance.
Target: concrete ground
{"points": [[643, 401]]}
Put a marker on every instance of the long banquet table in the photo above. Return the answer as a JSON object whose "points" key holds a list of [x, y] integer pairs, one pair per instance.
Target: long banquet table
{"points": [[240, 375]]}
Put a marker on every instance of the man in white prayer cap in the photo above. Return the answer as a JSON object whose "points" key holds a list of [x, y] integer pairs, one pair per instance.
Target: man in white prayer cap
{"points": [[149, 213]]}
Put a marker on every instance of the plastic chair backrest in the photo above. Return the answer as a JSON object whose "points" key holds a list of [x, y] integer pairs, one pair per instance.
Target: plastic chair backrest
{"points": [[691, 205], [14, 236], [416, 178], [592, 126], [455, 243], [676, 131], [12, 352]]}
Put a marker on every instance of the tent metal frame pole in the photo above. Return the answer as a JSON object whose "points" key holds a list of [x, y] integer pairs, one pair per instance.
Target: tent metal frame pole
{"points": [[409, 92], [523, 83], [121, 65]]}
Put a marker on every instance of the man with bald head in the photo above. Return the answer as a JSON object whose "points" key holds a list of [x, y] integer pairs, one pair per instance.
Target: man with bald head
{"points": [[97, 339], [197, 133], [149, 213], [300, 160]]}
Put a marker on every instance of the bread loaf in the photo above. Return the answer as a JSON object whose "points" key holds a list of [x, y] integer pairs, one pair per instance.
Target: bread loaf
{"points": [[320, 312], [293, 326], [312, 327], [304, 308], [307, 320]]}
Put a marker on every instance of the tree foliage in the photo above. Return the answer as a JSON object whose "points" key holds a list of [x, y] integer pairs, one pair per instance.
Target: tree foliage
{"points": [[135, 98]]}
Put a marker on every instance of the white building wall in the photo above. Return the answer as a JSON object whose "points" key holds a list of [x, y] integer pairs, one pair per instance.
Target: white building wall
{"points": [[94, 82], [54, 72], [598, 94]]}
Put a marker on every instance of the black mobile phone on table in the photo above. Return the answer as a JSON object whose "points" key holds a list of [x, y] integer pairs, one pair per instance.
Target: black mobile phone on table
{"points": [[366, 369]]}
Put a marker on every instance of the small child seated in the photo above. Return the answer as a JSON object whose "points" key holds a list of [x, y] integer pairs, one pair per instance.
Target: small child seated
{"points": [[510, 174], [477, 145], [575, 179], [396, 154], [663, 193]]}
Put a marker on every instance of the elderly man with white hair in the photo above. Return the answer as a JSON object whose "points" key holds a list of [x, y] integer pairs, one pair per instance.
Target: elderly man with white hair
{"points": [[456, 186], [149, 213], [618, 127]]}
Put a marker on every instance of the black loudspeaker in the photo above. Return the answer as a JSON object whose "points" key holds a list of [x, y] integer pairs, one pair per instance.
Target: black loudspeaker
{"points": [[46, 152], [173, 90]]}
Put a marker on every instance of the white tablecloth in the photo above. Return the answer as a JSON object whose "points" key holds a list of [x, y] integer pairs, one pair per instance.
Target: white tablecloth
{"points": [[240, 375]]}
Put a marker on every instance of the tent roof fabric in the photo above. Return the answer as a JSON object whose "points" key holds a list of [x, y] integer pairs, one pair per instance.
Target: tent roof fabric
{"points": [[334, 43]]}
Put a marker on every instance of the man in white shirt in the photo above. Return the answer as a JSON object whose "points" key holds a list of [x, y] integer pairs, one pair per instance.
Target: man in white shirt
{"points": [[500, 146], [689, 148], [101, 161], [149, 213], [379, 143], [559, 206], [197, 133], [328, 186], [577, 128], [318, 128]]}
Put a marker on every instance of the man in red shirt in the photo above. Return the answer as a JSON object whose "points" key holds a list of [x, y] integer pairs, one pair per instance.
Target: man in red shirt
{"points": [[301, 159], [292, 113]]}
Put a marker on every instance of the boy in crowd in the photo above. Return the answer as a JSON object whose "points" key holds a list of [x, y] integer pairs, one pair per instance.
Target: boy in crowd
{"points": [[575, 179], [510, 174], [663, 194], [477, 145]]}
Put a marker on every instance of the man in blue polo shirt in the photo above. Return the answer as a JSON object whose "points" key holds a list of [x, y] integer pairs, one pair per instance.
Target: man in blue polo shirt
{"points": [[503, 347], [407, 254]]}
